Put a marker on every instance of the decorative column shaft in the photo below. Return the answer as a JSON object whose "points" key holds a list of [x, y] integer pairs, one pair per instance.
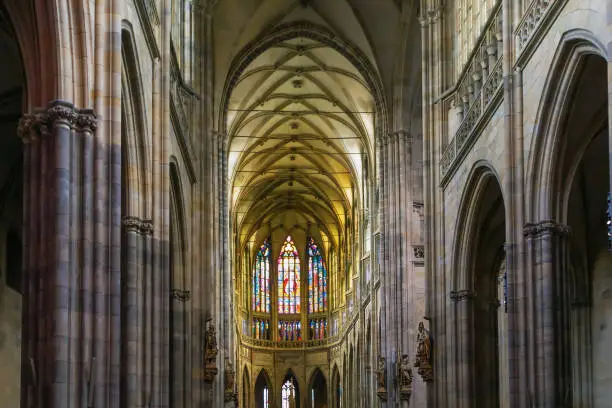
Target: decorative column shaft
{"points": [[547, 246], [136, 238], [59, 284], [464, 347]]}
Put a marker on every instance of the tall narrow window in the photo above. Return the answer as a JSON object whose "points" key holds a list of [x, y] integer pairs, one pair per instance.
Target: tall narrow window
{"points": [[261, 280], [288, 279], [288, 394], [317, 279], [266, 401]]}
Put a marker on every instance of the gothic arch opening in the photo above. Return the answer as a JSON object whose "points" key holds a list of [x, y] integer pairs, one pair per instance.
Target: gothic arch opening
{"points": [[336, 388], [12, 92], [585, 271], [290, 391], [263, 391], [317, 390], [484, 324], [245, 396]]}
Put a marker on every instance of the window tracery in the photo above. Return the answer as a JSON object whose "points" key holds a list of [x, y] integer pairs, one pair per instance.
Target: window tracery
{"points": [[261, 279], [288, 279], [317, 279]]}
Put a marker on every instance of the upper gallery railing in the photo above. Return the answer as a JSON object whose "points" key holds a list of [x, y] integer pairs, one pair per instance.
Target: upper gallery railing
{"points": [[302, 344], [532, 17], [538, 16], [478, 85]]}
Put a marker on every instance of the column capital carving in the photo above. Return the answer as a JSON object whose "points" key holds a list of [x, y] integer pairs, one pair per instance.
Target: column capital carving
{"points": [[61, 112], [180, 295], [138, 225], [545, 227], [400, 134], [462, 295], [87, 120], [431, 15], [33, 125]]}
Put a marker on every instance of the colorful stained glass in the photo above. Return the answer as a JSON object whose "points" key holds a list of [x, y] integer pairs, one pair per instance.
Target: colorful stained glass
{"points": [[261, 329], [261, 279], [288, 279], [289, 330], [317, 279], [317, 329]]}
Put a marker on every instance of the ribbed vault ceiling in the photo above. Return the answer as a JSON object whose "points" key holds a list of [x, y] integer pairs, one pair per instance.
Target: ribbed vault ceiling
{"points": [[299, 120]]}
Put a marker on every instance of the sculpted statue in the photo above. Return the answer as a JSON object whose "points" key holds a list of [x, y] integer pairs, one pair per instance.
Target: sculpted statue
{"points": [[404, 377], [423, 354], [210, 353], [423, 345], [211, 350], [380, 374], [380, 377], [404, 373], [229, 375], [230, 381]]}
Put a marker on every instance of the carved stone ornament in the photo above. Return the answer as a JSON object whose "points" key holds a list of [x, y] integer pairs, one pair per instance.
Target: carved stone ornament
{"points": [[138, 225], [381, 373], [404, 377], [210, 353], [180, 295], [462, 295], [230, 393], [423, 361], [545, 227], [33, 125]]}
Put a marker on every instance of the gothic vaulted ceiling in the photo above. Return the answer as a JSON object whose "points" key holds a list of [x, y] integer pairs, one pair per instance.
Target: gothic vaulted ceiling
{"points": [[300, 116]]}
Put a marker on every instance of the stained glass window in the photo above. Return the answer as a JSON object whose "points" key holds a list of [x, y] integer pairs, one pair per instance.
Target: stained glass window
{"points": [[288, 278], [317, 279], [261, 329], [317, 329], [261, 279], [289, 330]]}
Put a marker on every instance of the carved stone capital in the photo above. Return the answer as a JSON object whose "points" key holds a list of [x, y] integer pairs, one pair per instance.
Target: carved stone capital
{"points": [[87, 120], [60, 112], [180, 295], [138, 225], [545, 227], [462, 295]]}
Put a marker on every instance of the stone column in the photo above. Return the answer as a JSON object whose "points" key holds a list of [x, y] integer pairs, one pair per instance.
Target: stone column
{"points": [[550, 349], [59, 283], [463, 300], [134, 265]]}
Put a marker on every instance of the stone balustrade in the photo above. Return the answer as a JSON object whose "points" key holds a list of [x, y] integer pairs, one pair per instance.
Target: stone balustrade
{"points": [[533, 16]]}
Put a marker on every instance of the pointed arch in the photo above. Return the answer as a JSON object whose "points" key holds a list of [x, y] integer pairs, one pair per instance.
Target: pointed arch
{"points": [[134, 144], [481, 174], [336, 387], [246, 388], [263, 390], [317, 390], [290, 390], [543, 178]]}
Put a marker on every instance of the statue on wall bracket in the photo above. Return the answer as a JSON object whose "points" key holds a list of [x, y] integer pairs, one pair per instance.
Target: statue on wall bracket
{"points": [[380, 377], [230, 382], [423, 361], [404, 377], [210, 352]]}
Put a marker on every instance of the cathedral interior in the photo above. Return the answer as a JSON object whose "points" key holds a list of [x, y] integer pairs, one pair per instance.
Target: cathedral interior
{"points": [[305, 203]]}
